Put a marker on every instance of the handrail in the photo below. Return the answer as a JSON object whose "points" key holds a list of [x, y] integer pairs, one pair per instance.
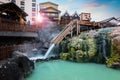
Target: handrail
{"points": [[70, 27], [64, 32], [15, 27]]}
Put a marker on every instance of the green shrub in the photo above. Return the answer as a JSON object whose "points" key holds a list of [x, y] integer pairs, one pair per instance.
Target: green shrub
{"points": [[64, 56], [80, 48], [115, 57]]}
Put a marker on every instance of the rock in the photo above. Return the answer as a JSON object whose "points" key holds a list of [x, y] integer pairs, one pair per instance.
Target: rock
{"points": [[115, 32], [115, 36], [116, 65], [10, 71], [17, 54], [114, 60], [45, 45], [116, 42], [25, 65], [16, 68]]}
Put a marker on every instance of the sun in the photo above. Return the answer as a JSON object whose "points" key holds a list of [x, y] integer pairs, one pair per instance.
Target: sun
{"points": [[39, 18]]}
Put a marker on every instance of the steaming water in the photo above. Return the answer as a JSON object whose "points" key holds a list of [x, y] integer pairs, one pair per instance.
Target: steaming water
{"points": [[63, 70], [46, 54], [48, 51]]}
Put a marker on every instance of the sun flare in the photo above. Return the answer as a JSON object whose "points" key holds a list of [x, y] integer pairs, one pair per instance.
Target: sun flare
{"points": [[39, 17]]}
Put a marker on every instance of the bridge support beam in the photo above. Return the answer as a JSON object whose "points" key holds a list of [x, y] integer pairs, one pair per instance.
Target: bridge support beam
{"points": [[71, 32], [78, 28]]}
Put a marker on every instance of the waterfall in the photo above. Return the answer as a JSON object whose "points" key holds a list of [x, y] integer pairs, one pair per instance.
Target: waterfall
{"points": [[104, 49], [45, 56], [48, 51]]}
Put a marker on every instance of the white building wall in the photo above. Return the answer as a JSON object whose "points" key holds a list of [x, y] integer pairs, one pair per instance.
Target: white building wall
{"points": [[27, 6], [31, 10], [4, 1]]}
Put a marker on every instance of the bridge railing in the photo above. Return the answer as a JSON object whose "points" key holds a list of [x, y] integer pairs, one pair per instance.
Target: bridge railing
{"points": [[64, 32], [71, 26]]}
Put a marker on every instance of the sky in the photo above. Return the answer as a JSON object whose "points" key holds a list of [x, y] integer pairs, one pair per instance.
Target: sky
{"points": [[99, 9]]}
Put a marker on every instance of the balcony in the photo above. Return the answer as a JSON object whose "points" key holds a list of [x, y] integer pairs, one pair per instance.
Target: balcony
{"points": [[12, 28]]}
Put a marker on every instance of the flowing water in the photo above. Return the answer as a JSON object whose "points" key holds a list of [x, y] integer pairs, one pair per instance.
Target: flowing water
{"points": [[49, 50], [64, 70]]}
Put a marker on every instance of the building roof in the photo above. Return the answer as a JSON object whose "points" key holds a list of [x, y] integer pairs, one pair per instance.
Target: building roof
{"points": [[50, 8], [1, 2], [118, 19], [66, 16], [12, 9], [75, 16], [109, 19], [48, 2]]}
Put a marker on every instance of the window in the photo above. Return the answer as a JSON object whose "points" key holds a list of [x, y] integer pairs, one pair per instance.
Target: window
{"points": [[33, 0], [23, 8], [13, 1], [33, 14], [54, 14], [22, 3], [33, 4], [33, 9], [33, 19], [42, 7]]}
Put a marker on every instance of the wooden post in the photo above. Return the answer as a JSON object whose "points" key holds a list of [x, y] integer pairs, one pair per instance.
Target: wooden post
{"points": [[0, 19], [79, 29], [71, 30]]}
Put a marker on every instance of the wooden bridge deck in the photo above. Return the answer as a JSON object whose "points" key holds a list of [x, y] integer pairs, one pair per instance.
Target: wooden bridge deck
{"points": [[69, 29]]}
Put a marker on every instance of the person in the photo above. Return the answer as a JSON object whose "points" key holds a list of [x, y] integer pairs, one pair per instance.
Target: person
{"points": [[28, 22]]}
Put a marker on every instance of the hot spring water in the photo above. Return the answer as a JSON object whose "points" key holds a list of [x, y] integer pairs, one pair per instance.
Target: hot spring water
{"points": [[64, 70], [43, 56]]}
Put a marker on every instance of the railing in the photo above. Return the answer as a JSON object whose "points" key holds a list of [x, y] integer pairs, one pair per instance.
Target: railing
{"points": [[15, 27], [6, 51], [64, 32], [87, 23]]}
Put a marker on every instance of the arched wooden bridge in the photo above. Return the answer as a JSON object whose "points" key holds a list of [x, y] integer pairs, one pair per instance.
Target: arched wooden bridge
{"points": [[72, 25]]}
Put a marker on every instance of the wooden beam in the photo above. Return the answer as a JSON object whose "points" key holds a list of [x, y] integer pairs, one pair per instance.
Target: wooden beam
{"points": [[77, 27]]}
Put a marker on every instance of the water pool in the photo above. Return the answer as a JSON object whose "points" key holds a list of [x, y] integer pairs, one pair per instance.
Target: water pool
{"points": [[64, 70]]}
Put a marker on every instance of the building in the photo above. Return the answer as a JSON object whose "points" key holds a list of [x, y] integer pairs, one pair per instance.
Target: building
{"points": [[65, 18], [13, 30], [85, 16], [50, 10], [75, 16], [29, 6], [112, 21], [6, 1]]}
